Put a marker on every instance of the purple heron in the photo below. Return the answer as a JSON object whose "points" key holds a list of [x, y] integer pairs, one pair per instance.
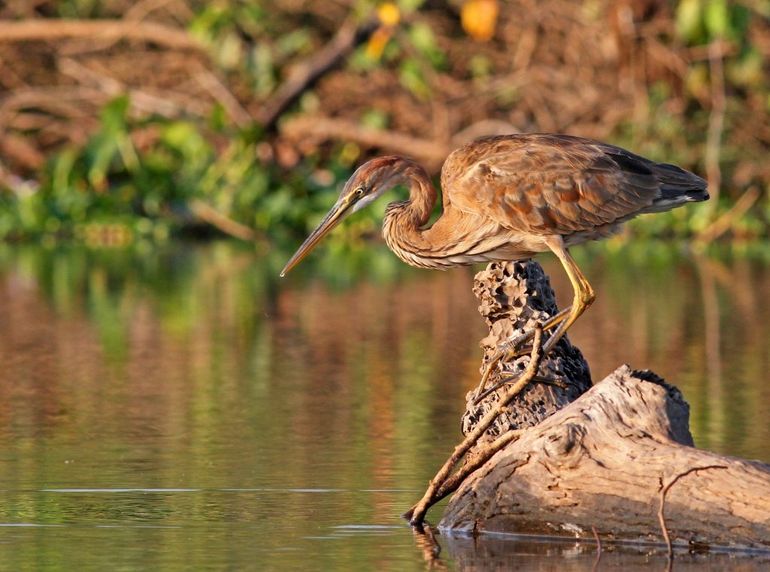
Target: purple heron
{"points": [[511, 197]]}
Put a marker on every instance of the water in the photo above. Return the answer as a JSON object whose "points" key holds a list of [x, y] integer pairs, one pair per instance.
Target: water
{"points": [[182, 408]]}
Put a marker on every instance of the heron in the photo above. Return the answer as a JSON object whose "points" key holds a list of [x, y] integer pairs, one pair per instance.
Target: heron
{"points": [[511, 197]]}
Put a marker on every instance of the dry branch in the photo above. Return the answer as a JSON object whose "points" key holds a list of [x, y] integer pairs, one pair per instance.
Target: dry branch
{"points": [[516, 299], [95, 30], [210, 215], [662, 510], [725, 222], [324, 128], [306, 73], [19, 150], [438, 489], [224, 96], [166, 105]]}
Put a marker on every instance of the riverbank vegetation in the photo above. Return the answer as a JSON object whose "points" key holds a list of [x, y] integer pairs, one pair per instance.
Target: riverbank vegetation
{"points": [[123, 122]]}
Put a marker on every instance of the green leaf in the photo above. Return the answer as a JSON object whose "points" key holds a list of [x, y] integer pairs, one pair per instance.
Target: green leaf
{"points": [[375, 119], [424, 41], [412, 78], [689, 19], [114, 114], [717, 18]]}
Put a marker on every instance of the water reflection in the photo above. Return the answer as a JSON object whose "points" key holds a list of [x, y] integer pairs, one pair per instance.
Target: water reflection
{"points": [[520, 553], [185, 406]]}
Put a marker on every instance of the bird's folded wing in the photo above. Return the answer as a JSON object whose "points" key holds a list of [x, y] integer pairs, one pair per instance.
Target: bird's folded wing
{"points": [[555, 185]]}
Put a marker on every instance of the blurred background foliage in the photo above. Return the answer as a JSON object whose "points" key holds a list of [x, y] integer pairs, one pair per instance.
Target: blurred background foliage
{"points": [[130, 122]]}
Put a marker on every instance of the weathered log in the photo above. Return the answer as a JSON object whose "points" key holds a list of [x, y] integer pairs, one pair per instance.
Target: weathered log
{"points": [[618, 460], [517, 389]]}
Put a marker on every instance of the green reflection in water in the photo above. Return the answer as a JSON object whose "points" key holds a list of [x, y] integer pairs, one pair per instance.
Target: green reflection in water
{"points": [[194, 371]]}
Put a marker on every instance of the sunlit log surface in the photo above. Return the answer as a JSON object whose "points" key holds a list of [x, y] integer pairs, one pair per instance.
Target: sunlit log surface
{"points": [[620, 460]]}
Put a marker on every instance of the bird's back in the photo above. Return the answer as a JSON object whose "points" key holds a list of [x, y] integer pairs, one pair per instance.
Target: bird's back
{"points": [[558, 184]]}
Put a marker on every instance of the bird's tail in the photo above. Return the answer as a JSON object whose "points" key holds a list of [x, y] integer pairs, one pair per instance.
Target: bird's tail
{"points": [[677, 187]]}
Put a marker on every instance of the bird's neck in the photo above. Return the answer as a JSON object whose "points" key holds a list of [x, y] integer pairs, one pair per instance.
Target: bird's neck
{"points": [[404, 222], [422, 194]]}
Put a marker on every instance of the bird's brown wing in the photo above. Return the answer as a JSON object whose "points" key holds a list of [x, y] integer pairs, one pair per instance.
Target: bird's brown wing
{"points": [[549, 184]]}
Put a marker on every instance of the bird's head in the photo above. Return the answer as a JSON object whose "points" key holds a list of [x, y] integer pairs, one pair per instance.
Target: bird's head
{"points": [[367, 184]]}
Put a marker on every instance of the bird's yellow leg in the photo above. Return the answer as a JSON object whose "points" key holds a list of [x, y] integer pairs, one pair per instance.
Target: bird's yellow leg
{"points": [[584, 293], [583, 297]]}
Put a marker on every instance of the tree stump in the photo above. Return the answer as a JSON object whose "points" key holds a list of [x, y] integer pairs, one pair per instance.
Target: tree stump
{"points": [[514, 297], [618, 459]]}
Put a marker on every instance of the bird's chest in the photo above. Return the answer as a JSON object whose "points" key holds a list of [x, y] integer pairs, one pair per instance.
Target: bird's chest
{"points": [[445, 246]]}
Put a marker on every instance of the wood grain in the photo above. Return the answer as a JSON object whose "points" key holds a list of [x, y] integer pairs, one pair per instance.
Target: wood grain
{"points": [[607, 461]]}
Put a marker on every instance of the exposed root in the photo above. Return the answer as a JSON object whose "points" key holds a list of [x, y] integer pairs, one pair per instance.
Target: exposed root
{"points": [[661, 510], [444, 482]]}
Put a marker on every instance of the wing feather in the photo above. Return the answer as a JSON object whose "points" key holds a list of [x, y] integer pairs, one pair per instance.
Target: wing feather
{"points": [[548, 184]]}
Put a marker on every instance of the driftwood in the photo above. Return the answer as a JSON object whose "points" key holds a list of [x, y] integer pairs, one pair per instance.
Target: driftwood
{"points": [[619, 459], [540, 384], [614, 463]]}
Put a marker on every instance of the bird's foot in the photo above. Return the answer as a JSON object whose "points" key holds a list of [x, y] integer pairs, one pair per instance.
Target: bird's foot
{"points": [[508, 377], [544, 380], [517, 347], [508, 350]]}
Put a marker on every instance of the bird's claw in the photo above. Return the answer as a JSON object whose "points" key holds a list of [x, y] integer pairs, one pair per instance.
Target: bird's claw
{"points": [[515, 348], [507, 377], [508, 350]]}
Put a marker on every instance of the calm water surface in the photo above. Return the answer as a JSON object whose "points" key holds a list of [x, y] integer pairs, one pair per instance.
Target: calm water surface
{"points": [[182, 408]]}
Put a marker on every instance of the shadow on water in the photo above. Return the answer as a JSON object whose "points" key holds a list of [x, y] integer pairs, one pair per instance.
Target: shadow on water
{"points": [[182, 407]]}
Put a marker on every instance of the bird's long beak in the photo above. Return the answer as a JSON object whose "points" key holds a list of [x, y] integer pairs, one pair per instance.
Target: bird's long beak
{"points": [[334, 216]]}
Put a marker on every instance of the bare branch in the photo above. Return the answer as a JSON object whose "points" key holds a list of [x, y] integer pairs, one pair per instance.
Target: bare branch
{"points": [[219, 91], [725, 222], [430, 152], [210, 215], [664, 490], [417, 513], [54, 29], [308, 72]]}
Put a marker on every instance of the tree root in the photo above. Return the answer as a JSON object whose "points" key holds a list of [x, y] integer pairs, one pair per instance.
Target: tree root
{"points": [[444, 482], [661, 510]]}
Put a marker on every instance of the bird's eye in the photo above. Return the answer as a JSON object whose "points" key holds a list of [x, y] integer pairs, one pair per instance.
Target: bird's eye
{"points": [[359, 192]]}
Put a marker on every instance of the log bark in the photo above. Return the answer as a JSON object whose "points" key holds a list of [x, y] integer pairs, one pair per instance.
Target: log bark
{"points": [[513, 298], [619, 459]]}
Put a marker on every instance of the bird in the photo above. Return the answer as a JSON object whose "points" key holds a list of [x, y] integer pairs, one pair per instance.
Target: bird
{"points": [[511, 197]]}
